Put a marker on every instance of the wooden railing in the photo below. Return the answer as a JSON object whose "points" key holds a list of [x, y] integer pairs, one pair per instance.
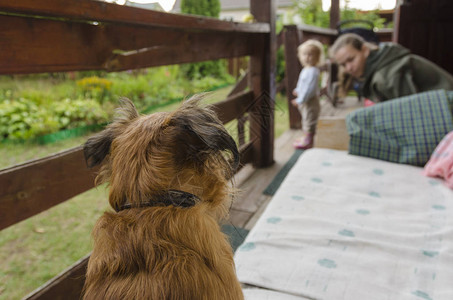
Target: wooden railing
{"points": [[74, 35]]}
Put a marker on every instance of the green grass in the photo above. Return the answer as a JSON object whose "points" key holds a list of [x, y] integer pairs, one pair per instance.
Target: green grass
{"points": [[37, 249]]}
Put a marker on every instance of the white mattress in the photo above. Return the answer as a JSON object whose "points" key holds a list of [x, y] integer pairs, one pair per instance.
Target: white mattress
{"points": [[349, 227], [264, 294]]}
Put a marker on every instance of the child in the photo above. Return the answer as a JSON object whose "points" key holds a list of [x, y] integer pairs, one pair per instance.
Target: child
{"points": [[310, 55]]}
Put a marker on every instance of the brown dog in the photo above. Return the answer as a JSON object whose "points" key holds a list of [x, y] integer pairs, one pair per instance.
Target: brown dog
{"points": [[168, 175]]}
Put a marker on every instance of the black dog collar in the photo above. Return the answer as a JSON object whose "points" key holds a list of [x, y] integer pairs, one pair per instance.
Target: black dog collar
{"points": [[170, 197]]}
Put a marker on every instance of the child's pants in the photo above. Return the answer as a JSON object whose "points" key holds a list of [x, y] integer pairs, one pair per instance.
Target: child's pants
{"points": [[309, 110]]}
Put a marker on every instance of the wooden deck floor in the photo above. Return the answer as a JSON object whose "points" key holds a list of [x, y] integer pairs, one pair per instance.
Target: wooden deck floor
{"points": [[251, 201]]}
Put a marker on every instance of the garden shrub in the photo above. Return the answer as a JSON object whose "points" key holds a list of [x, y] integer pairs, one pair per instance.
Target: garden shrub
{"points": [[207, 83], [95, 88], [31, 107], [75, 113], [22, 119], [150, 86], [213, 68]]}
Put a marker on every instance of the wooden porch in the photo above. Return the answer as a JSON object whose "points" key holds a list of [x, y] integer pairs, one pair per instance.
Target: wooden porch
{"points": [[114, 38]]}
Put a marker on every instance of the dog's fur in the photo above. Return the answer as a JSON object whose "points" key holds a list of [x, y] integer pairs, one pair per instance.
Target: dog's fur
{"points": [[163, 252]]}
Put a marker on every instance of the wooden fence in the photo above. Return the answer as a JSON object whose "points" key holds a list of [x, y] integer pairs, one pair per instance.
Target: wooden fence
{"points": [[74, 35]]}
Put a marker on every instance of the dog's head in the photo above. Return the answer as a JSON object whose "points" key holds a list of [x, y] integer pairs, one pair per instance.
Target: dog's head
{"points": [[146, 155]]}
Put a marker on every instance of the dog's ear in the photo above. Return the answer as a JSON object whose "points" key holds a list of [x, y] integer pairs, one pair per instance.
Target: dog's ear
{"points": [[97, 147], [202, 134]]}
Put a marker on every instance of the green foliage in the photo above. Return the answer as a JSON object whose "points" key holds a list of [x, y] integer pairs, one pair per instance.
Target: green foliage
{"points": [[23, 119], [209, 8], [215, 68], [95, 87], [31, 107], [37, 88], [280, 74], [207, 83], [148, 87], [311, 13], [76, 113], [374, 17], [280, 65]]}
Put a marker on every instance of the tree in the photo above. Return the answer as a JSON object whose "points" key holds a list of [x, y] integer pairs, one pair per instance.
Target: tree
{"points": [[209, 8], [311, 13]]}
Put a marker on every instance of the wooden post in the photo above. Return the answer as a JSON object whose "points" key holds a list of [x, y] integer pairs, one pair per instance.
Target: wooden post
{"points": [[292, 39], [262, 83], [425, 27], [334, 13]]}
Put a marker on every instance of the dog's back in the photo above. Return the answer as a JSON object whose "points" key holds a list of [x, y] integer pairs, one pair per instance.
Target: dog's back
{"points": [[161, 253], [168, 185]]}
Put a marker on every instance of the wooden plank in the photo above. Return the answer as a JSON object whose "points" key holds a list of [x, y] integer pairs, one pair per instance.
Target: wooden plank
{"points": [[241, 129], [331, 133], [239, 218], [292, 69], [263, 201], [334, 13], [385, 34], [234, 107], [246, 152], [254, 181], [100, 11], [66, 286], [425, 28], [280, 38], [192, 47], [57, 46], [240, 86], [262, 83], [324, 35], [253, 188], [30, 188], [251, 182]]}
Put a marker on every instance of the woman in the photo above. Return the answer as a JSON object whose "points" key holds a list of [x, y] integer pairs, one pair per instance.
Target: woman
{"points": [[387, 71]]}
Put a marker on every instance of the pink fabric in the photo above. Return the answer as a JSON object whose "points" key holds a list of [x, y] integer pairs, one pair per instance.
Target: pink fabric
{"points": [[440, 163], [368, 102]]}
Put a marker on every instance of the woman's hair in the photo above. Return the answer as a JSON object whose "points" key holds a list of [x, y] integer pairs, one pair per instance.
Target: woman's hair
{"points": [[315, 46], [355, 40]]}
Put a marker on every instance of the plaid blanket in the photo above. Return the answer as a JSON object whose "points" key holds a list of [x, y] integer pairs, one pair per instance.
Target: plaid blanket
{"points": [[404, 130]]}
